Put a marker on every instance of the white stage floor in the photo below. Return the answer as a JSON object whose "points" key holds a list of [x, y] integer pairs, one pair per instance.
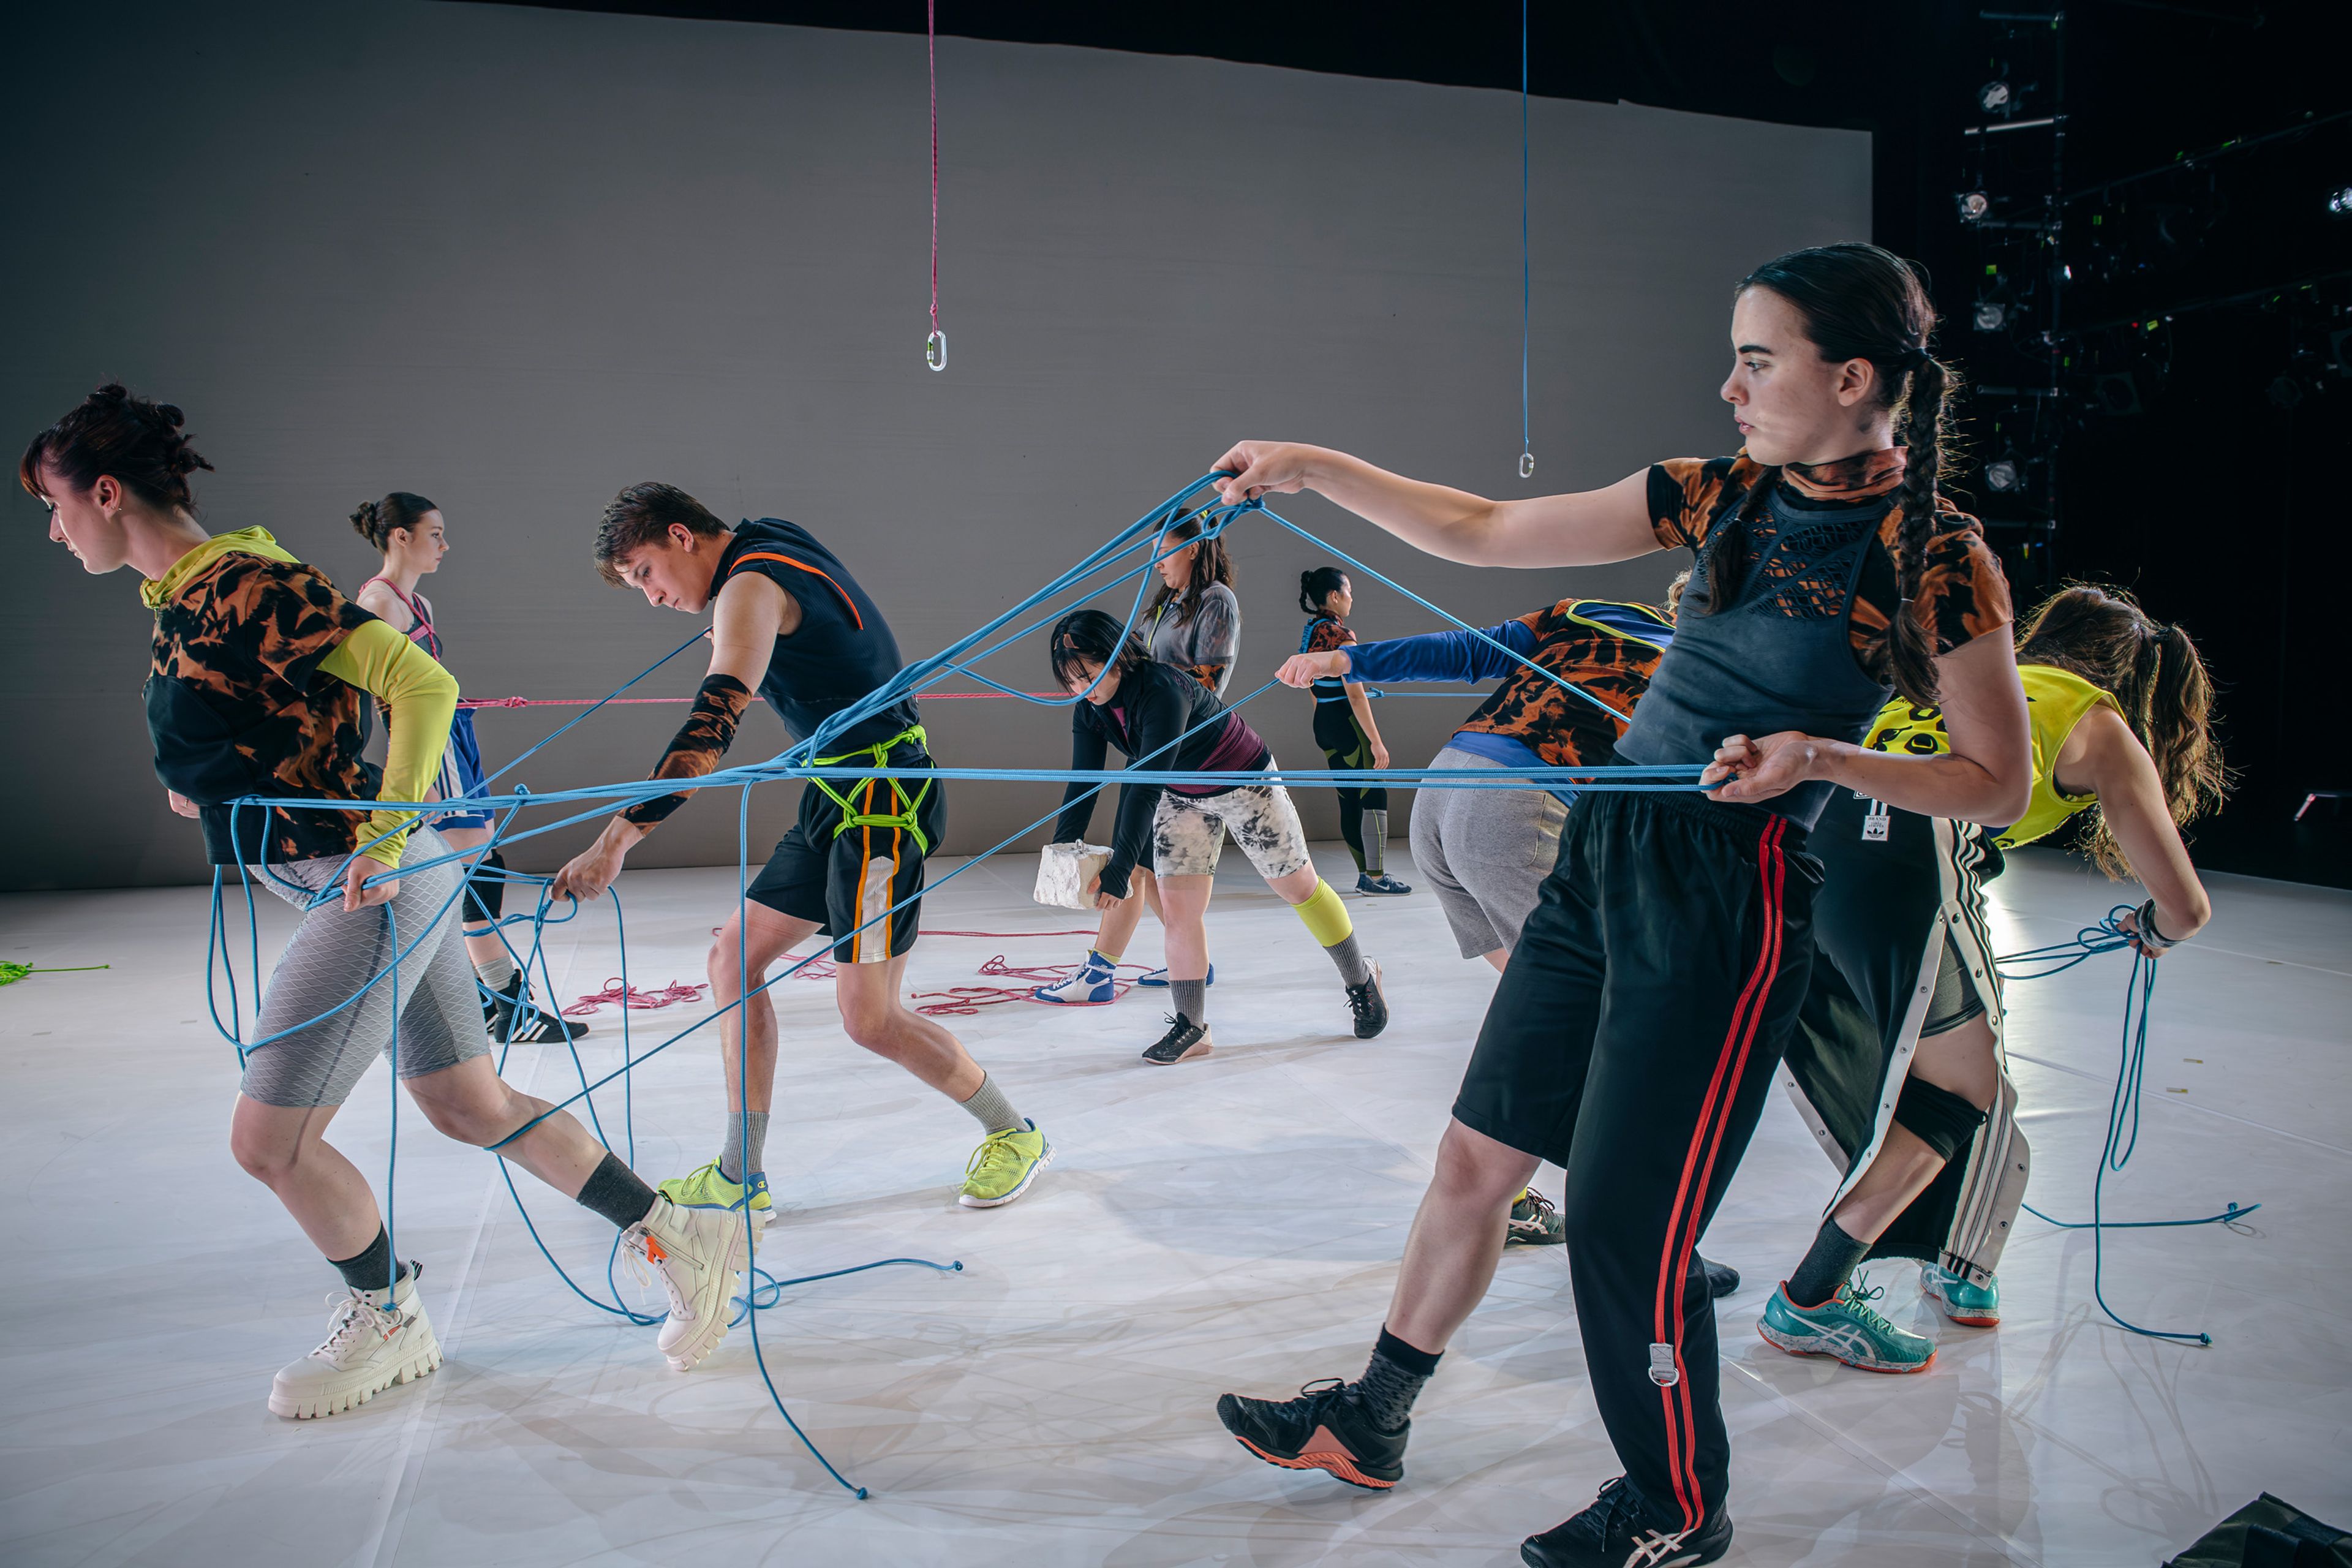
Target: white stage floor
{"points": [[1232, 1224]]}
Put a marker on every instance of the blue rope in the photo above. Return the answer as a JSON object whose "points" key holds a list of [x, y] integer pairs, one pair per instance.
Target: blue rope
{"points": [[1526, 269], [2123, 1104]]}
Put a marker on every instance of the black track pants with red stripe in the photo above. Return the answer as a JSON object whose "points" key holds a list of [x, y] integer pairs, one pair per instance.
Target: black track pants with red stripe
{"points": [[1633, 1040]]}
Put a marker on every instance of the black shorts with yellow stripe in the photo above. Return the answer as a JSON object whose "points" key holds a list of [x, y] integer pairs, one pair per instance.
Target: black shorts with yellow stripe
{"points": [[843, 877]]}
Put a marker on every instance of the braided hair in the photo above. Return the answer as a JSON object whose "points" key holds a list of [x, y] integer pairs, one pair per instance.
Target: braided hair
{"points": [[114, 432], [1859, 302], [374, 520]]}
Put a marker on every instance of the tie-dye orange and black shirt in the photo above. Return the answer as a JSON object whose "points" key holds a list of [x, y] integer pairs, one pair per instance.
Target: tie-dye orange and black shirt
{"points": [[236, 702]]}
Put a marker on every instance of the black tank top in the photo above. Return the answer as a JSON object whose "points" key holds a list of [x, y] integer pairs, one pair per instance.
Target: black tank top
{"points": [[841, 651], [1781, 656]]}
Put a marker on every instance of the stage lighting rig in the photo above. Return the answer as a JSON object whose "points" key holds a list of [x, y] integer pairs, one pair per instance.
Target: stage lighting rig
{"points": [[1990, 316], [2340, 202], [1975, 206], [1997, 98]]}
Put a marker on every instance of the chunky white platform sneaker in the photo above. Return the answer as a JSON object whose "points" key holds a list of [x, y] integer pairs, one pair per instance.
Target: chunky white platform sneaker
{"points": [[697, 1253], [375, 1339]]}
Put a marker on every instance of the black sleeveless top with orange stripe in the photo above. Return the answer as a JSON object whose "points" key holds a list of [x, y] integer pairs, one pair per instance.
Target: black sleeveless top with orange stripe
{"points": [[842, 649]]}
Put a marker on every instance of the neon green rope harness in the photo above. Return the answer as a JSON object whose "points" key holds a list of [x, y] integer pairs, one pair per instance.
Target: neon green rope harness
{"points": [[903, 817]]}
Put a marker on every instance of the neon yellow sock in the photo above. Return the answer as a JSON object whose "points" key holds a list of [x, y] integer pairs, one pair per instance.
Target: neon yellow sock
{"points": [[1109, 957], [1325, 916]]}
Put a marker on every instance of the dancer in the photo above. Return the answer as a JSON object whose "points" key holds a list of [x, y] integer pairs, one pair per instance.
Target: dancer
{"points": [[260, 669], [1634, 1033], [1345, 728], [413, 536], [1143, 707], [1194, 624], [1898, 1062], [788, 619], [1488, 851]]}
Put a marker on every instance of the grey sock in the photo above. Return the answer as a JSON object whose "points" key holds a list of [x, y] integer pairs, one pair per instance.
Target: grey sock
{"points": [[497, 971], [1353, 969], [1192, 998], [744, 1151], [1376, 842], [1827, 1265], [991, 1109], [1391, 1381]]}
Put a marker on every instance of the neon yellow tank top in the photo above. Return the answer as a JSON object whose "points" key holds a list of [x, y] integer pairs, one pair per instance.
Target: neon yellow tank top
{"points": [[2055, 703]]}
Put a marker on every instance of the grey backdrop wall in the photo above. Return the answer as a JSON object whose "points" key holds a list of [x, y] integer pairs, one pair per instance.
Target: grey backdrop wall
{"points": [[516, 259]]}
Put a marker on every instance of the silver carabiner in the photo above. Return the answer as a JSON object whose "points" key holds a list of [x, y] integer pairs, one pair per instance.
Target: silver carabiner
{"points": [[935, 350], [1527, 465]]}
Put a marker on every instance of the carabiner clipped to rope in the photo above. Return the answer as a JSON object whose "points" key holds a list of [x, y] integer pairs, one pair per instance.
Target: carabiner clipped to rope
{"points": [[1527, 465], [935, 350]]}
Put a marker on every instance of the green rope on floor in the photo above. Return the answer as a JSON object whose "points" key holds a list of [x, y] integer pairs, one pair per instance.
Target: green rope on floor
{"points": [[12, 972]]}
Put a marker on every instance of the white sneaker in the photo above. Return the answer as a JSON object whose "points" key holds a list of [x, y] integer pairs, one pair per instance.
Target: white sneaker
{"points": [[375, 1339], [697, 1253]]}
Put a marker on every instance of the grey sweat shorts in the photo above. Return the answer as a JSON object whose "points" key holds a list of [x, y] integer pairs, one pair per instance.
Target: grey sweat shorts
{"points": [[333, 954], [1486, 852]]}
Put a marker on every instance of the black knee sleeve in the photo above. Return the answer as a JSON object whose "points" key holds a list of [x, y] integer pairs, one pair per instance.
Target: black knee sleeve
{"points": [[487, 896], [1941, 1119]]}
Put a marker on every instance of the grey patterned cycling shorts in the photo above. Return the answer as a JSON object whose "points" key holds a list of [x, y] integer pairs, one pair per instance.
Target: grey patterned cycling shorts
{"points": [[1188, 831]]}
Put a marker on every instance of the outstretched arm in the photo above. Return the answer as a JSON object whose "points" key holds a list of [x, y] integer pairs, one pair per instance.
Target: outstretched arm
{"points": [[748, 616], [1988, 775], [2102, 757], [1585, 529]]}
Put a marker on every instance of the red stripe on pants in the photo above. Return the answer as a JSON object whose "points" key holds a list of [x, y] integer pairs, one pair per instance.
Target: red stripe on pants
{"points": [[1690, 1197]]}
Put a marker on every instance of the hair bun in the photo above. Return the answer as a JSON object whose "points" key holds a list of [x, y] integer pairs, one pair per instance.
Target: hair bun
{"points": [[170, 413]]}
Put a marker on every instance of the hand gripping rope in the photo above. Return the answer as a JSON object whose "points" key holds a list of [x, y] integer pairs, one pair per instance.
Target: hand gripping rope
{"points": [[2123, 1106], [809, 759]]}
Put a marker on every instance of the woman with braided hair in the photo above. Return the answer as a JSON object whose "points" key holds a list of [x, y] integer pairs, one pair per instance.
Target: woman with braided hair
{"points": [[1635, 1030], [1896, 1063], [413, 537]]}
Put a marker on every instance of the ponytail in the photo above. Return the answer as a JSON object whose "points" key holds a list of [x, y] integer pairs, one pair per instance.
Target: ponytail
{"points": [[1315, 587], [2157, 680]]}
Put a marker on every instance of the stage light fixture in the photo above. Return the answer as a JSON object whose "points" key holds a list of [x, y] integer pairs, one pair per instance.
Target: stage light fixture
{"points": [[2001, 476], [1991, 315], [1973, 205], [2340, 202], [1994, 97]]}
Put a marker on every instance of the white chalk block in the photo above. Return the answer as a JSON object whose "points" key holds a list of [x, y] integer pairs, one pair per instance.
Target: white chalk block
{"points": [[1064, 869]]}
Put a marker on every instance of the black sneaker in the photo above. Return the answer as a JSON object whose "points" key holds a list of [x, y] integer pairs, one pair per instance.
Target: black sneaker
{"points": [[1722, 1279], [1371, 1008], [1378, 885], [1319, 1430], [1535, 1223], [1617, 1532], [515, 1020], [1184, 1040]]}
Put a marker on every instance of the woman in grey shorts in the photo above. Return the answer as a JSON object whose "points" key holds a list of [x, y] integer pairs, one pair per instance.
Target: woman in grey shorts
{"points": [[260, 676], [1488, 851]]}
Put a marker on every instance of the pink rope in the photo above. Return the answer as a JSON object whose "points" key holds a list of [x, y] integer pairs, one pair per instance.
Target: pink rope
{"points": [[480, 702], [931, 45], [633, 996], [957, 1000]]}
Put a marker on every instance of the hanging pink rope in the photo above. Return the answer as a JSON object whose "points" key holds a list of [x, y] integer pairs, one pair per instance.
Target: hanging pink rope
{"points": [[935, 347]]}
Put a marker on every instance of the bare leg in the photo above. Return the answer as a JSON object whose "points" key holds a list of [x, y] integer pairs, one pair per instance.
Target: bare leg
{"points": [[1960, 1059], [1119, 924], [1184, 911], [875, 1018], [1298, 887], [285, 1148], [482, 944], [1500, 958], [1457, 1235], [471, 1103], [753, 938]]}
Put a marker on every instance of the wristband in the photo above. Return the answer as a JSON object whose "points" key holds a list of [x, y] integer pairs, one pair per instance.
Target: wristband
{"points": [[2148, 931]]}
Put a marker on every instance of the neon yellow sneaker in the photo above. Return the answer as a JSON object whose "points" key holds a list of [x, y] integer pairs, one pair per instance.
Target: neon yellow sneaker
{"points": [[1003, 1167], [707, 1189]]}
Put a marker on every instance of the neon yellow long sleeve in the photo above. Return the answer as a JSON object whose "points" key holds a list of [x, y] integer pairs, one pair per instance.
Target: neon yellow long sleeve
{"points": [[423, 697]]}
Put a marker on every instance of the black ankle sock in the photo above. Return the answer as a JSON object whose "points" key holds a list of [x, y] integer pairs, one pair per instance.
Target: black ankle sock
{"points": [[615, 1192], [1391, 1381], [1827, 1264], [372, 1269]]}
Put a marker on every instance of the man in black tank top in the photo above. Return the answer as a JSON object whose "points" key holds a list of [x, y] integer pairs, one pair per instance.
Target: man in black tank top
{"points": [[789, 621]]}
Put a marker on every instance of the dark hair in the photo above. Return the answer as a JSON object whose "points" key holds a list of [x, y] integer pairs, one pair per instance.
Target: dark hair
{"points": [[1090, 637], [641, 515], [375, 520], [1861, 302], [2154, 674], [1209, 564], [113, 432], [1317, 585]]}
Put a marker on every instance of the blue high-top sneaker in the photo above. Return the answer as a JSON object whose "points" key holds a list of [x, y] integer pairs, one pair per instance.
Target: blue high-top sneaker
{"points": [[1159, 977], [1095, 983]]}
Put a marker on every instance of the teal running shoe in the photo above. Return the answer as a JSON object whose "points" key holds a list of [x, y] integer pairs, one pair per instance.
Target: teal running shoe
{"points": [[1977, 1306], [1844, 1326]]}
